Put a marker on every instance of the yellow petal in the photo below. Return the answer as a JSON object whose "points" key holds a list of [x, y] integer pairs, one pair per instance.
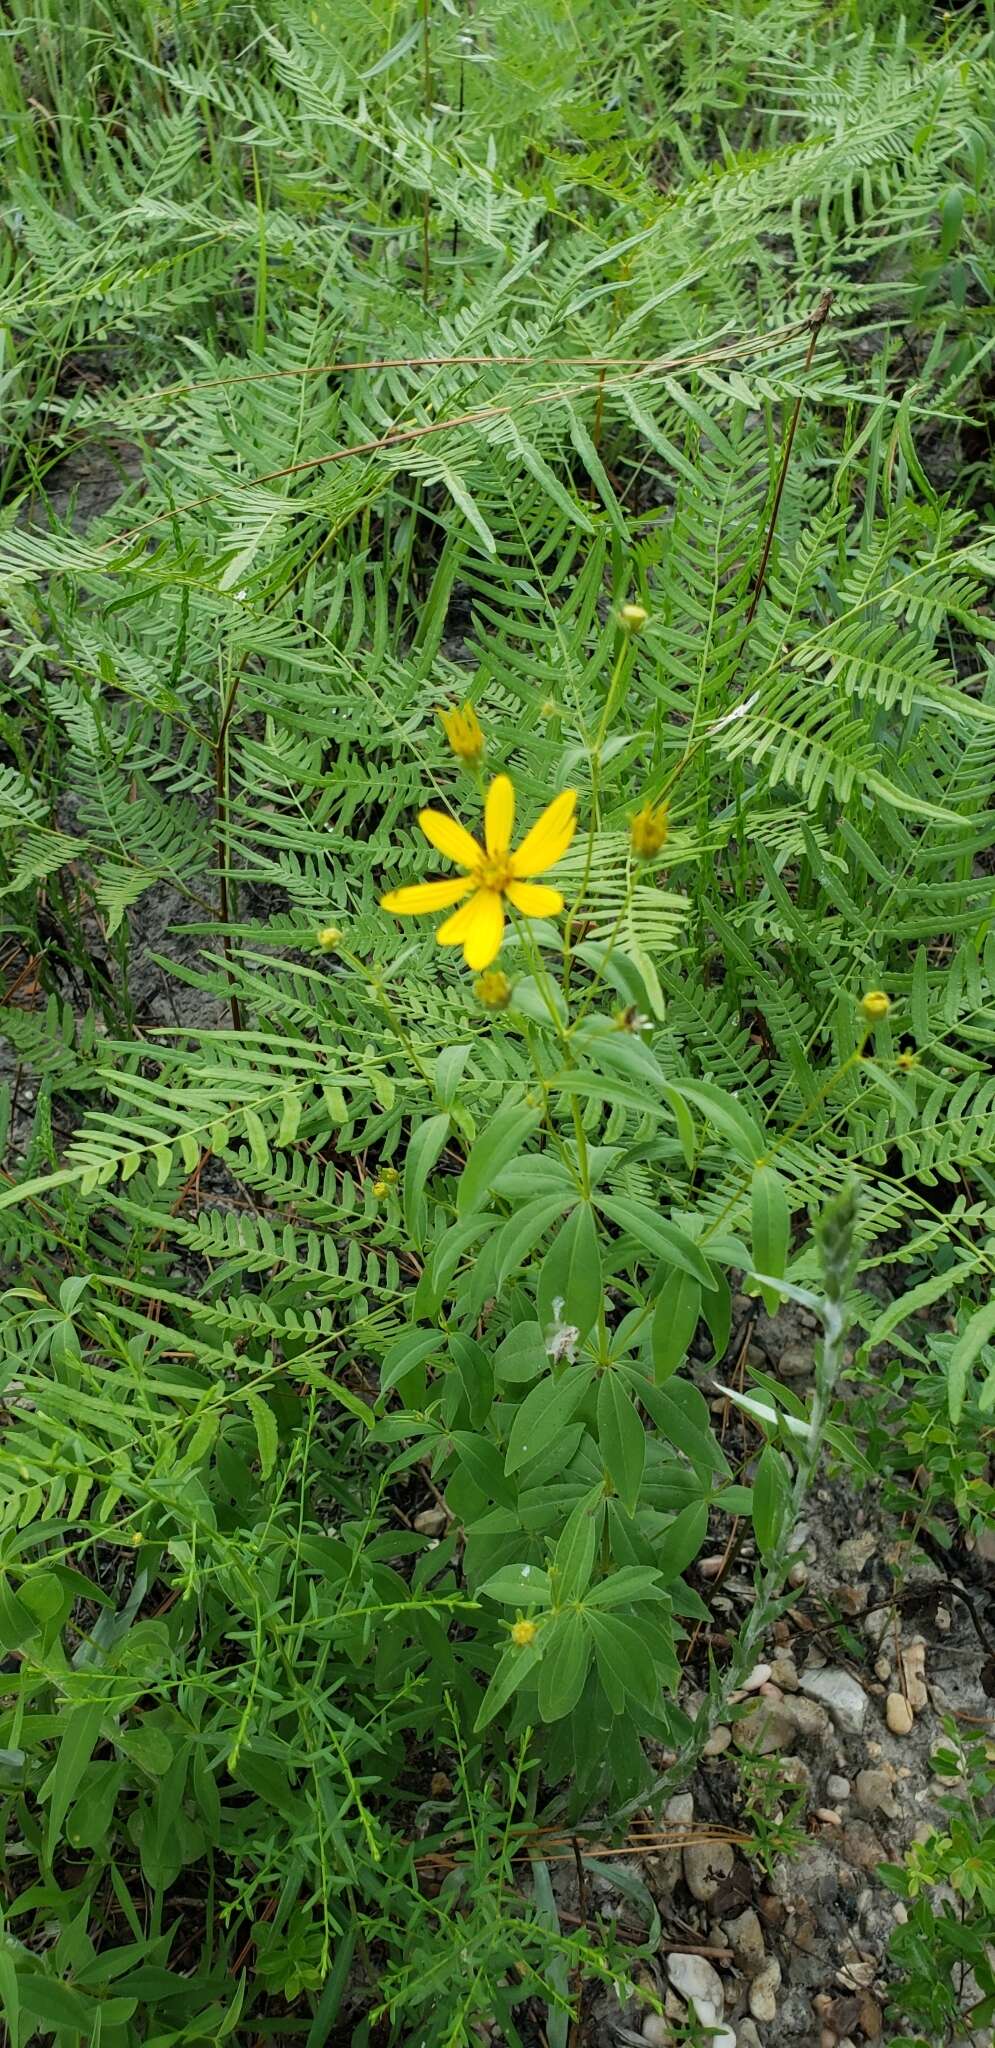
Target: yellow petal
{"points": [[549, 838], [478, 928], [450, 838], [455, 929], [534, 899], [499, 815], [426, 896]]}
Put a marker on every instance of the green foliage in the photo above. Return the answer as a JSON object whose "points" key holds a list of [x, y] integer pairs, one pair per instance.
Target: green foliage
{"points": [[942, 1951], [359, 1338]]}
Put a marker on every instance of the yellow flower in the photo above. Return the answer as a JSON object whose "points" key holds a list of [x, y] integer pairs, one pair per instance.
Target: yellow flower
{"points": [[632, 617], [491, 872], [380, 1188], [493, 989], [907, 1060], [329, 937], [649, 830], [523, 1633], [462, 729], [875, 1005]]}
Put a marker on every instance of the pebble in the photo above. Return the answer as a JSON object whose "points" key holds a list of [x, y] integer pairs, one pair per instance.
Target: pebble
{"points": [[430, 1521], [710, 1567], [860, 1846], [882, 1669], [679, 1810], [798, 1575], [784, 1673], [810, 1720], [657, 2030], [836, 1787], [746, 1939], [794, 1771], [829, 1816], [747, 2036], [707, 1865], [875, 1794], [912, 1660], [719, 1740], [898, 1714], [856, 1552], [766, 1728], [763, 1990], [846, 1700], [795, 1362]]}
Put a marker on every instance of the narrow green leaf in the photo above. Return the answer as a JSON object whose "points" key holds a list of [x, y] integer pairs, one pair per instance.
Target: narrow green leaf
{"points": [[542, 1415], [79, 1732], [517, 1663], [571, 1274], [771, 1499], [423, 1151], [662, 1239], [571, 1569], [967, 1349], [675, 1319], [267, 1435], [566, 1657], [771, 1226], [621, 1437], [504, 1138], [681, 1543]]}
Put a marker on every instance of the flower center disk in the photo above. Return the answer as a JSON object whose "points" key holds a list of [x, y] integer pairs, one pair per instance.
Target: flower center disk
{"points": [[494, 872]]}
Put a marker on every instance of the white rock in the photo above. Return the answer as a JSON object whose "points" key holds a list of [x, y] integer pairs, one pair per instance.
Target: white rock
{"points": [[706, 1867], [657, 2030], [694, 1978], [837, 1787], [763, 2000], [679, 1810], [758, 1677], [846, 1700], [718, 1740], [898, 1714], [747, 2036]]}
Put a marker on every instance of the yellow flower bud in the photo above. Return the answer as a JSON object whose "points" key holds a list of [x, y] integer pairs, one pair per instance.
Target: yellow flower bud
{"points": [[390, 1175], [649, 830], [875, 1005], [549, 708], [329, 937], [907, 1060], [380, 1189], [463, 731], [523, 1633], [632, 617], [493, 989]]}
